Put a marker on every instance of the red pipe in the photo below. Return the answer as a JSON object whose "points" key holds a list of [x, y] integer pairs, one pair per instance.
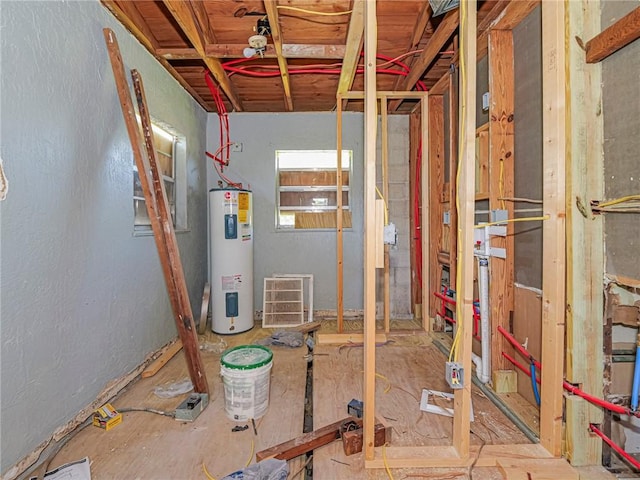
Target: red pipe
{"points": [[519, 365], [609, 442], [519, 347]]}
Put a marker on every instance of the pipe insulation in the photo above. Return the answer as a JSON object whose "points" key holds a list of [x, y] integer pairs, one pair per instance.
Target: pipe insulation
{"points": [[484, 372]]}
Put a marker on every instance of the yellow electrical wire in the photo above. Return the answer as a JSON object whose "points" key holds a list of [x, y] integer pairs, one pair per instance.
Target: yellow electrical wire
{"points": [[206, 472], [388, 387], [512, 220], [312, 12], [253, 446], [386, 464], [619, 200], [386, 208]]}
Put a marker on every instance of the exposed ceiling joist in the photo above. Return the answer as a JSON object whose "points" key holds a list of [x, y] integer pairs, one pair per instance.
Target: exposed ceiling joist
{"points": [[612, 39], [150, 43], [439, 38], [234, 50], [183, 13], [274, 23]]}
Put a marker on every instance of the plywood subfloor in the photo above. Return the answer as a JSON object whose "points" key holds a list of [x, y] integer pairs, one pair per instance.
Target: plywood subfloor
{"points": [[405, 370], [151, 446]]}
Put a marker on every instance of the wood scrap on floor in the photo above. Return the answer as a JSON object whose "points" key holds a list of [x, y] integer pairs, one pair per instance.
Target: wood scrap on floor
{"points": [[162, 359]]}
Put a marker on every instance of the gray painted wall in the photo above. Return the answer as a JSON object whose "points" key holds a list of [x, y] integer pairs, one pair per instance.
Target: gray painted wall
{"points": [[621, 107], [295, 251], [83, 301], [314, 251]]}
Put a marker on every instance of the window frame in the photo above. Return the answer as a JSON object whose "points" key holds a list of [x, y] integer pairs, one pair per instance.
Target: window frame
{"points": [[347, 158]]}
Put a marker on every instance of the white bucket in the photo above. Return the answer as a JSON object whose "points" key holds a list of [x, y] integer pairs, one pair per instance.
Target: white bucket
{"points": [[246, 373]]}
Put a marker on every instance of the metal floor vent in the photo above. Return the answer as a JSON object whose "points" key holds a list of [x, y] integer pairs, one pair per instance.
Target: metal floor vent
{"points": [[283, 304]]}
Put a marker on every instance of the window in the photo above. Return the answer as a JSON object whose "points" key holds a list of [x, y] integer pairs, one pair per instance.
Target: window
{"points": [[171, 153], [307, 189]]}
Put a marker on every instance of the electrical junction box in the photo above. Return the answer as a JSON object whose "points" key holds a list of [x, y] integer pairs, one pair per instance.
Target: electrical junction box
{"points": [[485, 101], [446, 218], [454, 374], [189, 410], [390, 234]]}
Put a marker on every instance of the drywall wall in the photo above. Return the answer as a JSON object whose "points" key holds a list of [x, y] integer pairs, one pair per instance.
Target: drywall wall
{"points": [[83, 300], [312, 251], [621, 107], [528, 146]]}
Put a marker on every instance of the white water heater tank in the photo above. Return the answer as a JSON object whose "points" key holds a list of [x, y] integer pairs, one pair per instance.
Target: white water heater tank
{"points": [[231, 257]]}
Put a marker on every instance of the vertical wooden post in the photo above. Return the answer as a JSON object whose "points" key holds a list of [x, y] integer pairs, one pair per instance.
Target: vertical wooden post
{"points": [[370, 131], [339, 219], [453, 181], [501, 161], [436, 180], [466, 205], [585, 253], [426, 206], [384, 131], [157, 205], [554, 82]]}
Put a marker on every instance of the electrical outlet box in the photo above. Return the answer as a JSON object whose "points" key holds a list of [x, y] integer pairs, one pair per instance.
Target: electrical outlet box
{"points": [[446, 218], [236, 147], [454, 374], [193, 406], [390, 234], [485, 101]]}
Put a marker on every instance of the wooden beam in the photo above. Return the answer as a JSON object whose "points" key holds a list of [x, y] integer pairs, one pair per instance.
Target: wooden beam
{"points": [[346, 338], [425, 206], [466, 202], [384, 145], [162, 359], [414, 209], [585, 237], [441, 86], [418, 32], [183, 13], [144, 36], [307, 442], [612, 39], [339, 222], [554, 82], [235, 50], [274, 22], [439, 38], [370, 132], [353, 48], [156, 202], [436, 179], [451, 192], [501, 185]]}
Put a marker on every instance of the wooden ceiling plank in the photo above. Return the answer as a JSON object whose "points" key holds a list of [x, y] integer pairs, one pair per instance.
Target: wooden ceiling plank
{"points": [[274, 21], [149, 44], [291, 50], [615, 37], [131, 19], [202, 19], [418, 32], [178, 53], [183, 14], [355, 37]]}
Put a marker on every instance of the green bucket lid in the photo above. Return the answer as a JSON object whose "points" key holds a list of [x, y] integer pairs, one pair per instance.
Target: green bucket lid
{"points": [[246, 357]]}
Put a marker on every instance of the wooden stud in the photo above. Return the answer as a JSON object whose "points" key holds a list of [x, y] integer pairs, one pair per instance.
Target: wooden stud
{"points": [[204, 308], [339, 220], [436, 212], [425, 208], [162, 359], [466, 201], [439, 38], [501, 185], [451, 191], [370, 131], [156, 201], [554, 83], [414, 144], [183, 13], [384, 131], [274, 22], [612, 39], [585, 237], [353, 48]]}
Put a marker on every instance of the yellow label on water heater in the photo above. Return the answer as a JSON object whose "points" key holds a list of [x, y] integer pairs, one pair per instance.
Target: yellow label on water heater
{"points": [[243, 201], [242, 216]]}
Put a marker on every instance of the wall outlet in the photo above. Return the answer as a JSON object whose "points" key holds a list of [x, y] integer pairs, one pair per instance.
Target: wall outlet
{"points": [[236, 147], [454, 374]]}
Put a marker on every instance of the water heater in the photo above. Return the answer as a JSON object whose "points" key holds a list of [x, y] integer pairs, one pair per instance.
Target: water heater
{"points": [[231, 257]]}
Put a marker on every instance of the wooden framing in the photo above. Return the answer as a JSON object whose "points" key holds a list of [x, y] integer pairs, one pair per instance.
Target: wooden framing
{"points": [[156, 201], [339, 224], [354, 46], [612, 39], [274, 22], [414, 204], [554, 82], [585, 237], [501, 185], [384, 132]]}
